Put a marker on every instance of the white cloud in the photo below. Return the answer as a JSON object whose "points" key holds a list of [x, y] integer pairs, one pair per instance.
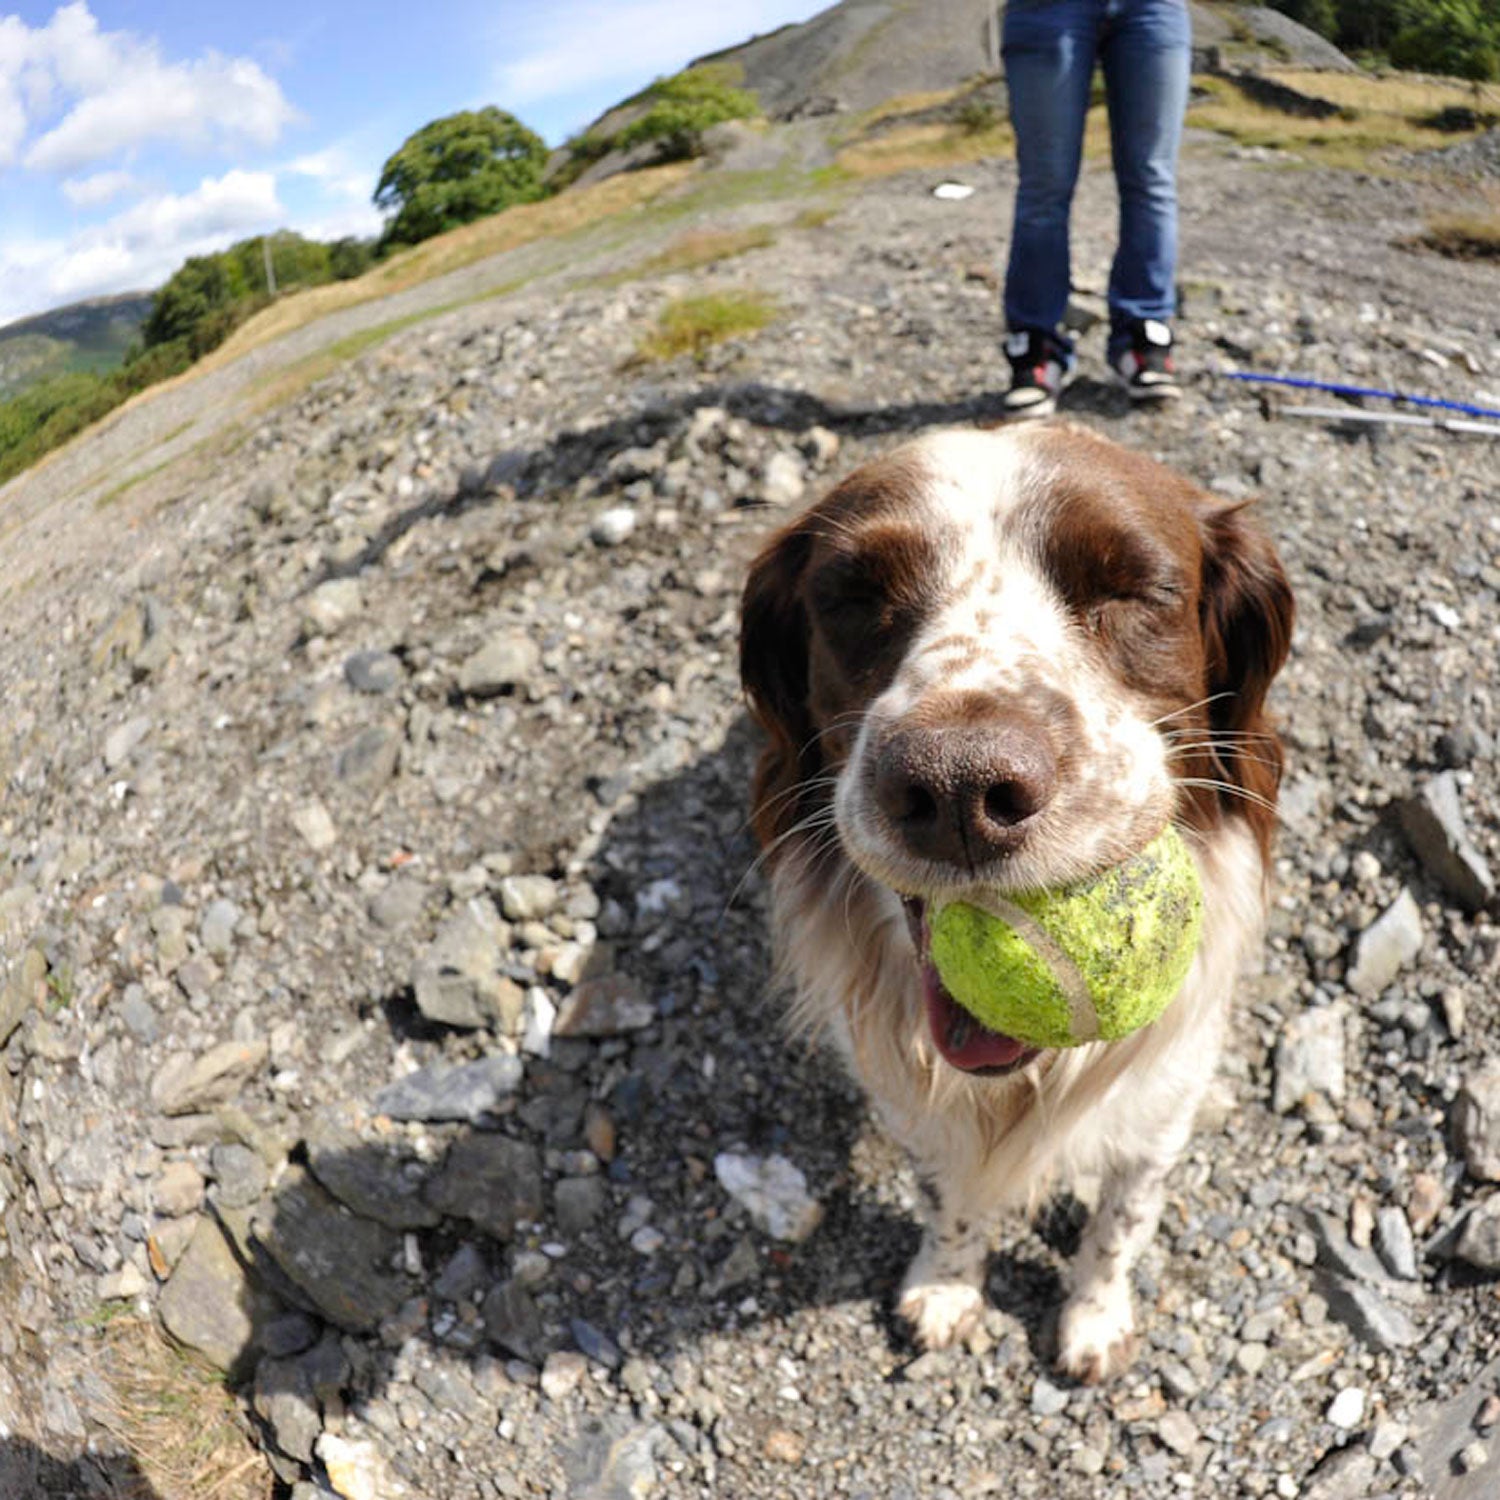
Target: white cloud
{"points": [[336, 172], [115, 92], [140, 246], [90, 192], [359, 220]]}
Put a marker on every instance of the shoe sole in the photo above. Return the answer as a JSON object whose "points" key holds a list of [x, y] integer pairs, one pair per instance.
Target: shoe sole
{"points": [[1043, 408]]}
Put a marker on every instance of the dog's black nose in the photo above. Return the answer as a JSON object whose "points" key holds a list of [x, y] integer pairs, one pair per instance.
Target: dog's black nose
{"points": [[964, 794]]}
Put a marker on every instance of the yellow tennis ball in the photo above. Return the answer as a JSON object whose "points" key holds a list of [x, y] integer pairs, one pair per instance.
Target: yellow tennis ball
{"points": [[1088, 962]]}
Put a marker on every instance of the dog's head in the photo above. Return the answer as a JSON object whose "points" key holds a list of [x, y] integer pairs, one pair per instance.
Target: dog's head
{"points": [[1009, 658]]}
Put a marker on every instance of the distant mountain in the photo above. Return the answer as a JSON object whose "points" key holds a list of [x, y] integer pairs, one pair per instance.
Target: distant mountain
{"points": [[91, 335]]}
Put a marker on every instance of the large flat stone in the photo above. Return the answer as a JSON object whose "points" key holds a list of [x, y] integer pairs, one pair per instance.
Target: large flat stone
{"points": [[492, 1180], [210, 1303], [342, 1263]]}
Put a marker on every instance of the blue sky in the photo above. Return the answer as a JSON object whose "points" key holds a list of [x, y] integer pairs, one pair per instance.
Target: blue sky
{"points": [[134, 133]]}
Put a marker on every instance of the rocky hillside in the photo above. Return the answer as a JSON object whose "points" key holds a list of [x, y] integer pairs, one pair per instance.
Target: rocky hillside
{"points": [[384, 1005], [861, 53]]}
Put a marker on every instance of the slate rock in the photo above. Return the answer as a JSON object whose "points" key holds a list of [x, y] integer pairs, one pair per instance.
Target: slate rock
{"points": [[458, 979], [611, 1005], [1434, 826], [239, 1175], [1393, 1241], [1479, 1241], [373, 672], [185, 1084], [399, 904], [283, 1399], [216, 930], [502, 664], [596, 1345], [340, 1262], [374, 1182], [1386, 946], [577, 1203], [1344, 1474], [1367, 1314], [369, 760], [511, 1320], [1310, 1058], [26, 984], [444, 1091], [331, 606], [1476, 1123], [490, 1179], [123, 741], [612, 1458], [208, 1303], [462, 1276]]}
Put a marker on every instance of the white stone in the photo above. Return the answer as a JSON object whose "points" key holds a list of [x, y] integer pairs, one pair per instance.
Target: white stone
{"points": [[315, 826], [613, 526], [772, 1191], [1386, 946], [332, 605], [1347, 1410], [1310, 1058], [783, 481], [538, 1019]]}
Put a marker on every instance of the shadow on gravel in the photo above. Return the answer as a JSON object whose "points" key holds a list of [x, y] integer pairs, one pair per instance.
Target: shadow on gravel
{"points": [[583, 1212], [27, 1473], [513, 1247], [572, 456]]}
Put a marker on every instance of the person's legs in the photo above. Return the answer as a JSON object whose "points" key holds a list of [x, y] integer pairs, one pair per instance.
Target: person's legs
{"points": [[1049, 49], [1146, 50]]}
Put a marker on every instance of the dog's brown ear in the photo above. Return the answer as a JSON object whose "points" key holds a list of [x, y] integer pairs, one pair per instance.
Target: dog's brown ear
{"points": [[774, 671], [1247, 614]]}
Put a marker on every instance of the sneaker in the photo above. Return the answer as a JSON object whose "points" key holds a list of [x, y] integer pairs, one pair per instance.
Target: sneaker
{"points": [[1039, 366], [1145, 366]]}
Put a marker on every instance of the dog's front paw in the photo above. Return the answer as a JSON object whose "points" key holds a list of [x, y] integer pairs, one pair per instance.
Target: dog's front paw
{"points": [[1096, 1335], [941, 1312]]}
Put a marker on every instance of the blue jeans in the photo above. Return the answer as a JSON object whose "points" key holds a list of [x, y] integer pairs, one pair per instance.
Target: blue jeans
{"points": [[1050, 47]]}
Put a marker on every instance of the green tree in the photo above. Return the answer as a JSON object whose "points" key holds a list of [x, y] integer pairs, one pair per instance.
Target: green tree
{"points": [[1317, 15], [684, 106], [457, 169], [350, 257], [1448, 36], [200, 287]]}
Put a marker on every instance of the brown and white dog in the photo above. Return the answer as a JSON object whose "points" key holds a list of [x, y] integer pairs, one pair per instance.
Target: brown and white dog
{"points": [[1008, 659]]}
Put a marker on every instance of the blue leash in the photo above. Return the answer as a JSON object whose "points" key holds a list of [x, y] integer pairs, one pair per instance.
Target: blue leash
{"points": [[1302, 383]]}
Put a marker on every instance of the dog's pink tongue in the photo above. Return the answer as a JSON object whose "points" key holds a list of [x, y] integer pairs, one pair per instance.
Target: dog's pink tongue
{"points": [[962, 1040]]}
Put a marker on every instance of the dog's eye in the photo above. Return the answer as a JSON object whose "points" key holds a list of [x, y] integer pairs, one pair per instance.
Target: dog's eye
{"points": [[1156, 597]]}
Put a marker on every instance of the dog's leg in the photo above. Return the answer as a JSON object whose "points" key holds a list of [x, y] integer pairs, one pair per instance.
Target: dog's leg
{"points": [[1096, 1333], [943, 1294]]}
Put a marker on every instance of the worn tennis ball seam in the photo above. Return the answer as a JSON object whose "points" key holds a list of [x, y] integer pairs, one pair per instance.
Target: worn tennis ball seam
{"points": [[1094, 940], [1083, 1015]]}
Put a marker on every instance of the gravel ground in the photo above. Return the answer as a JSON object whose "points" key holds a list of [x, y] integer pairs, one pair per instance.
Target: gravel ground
{"points": [[384, 1009]]}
